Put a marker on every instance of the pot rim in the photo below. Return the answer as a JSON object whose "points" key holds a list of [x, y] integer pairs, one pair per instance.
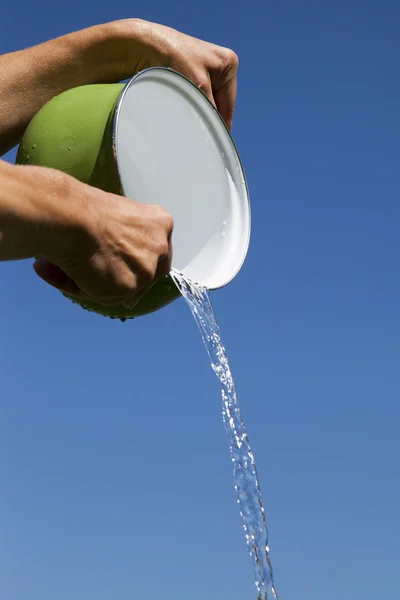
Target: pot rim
{"points": [[114, 126]]}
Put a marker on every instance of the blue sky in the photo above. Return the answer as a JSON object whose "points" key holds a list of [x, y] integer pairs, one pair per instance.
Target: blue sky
{"points": [[116, 478]]}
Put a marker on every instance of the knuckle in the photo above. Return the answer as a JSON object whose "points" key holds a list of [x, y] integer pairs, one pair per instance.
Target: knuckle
{"points": [[162, 247], [229, 60], [232, 59], [168, 222], [163, 217]]}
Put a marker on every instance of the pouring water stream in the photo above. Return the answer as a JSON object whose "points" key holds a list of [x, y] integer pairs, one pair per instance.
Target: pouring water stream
{"points": [[244, 467]]}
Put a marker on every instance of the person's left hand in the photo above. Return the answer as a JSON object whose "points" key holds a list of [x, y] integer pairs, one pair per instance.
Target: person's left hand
{"points": [[108, 53], [212, 68]]}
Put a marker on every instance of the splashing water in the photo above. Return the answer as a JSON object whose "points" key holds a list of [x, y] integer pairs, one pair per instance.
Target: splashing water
{"points": [[244, 467]]}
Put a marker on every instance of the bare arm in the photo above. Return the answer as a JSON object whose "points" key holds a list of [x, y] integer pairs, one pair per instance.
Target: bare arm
{"points": [[90, 244], [31, 221], [104, 54], [31, 77]]}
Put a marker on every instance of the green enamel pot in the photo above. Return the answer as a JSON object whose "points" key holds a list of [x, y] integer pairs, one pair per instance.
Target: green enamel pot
{"points": [[156, 139]]}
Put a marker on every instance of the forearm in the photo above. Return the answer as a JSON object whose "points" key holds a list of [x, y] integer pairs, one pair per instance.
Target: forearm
{"points": [[38, 212], [30, 78]]}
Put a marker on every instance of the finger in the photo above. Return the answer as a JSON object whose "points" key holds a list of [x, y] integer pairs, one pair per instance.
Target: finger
{"points": [[203, 82], [131, 302], [163, 269], [225, 99], [164, 264], [56, 277]]}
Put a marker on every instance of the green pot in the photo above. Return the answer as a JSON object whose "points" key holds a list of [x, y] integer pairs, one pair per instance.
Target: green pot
{"points": [[74, 134], [158, 140]]}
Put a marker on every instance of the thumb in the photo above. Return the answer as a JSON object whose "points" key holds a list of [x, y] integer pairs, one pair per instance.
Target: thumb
{"points": [[56, 277]]}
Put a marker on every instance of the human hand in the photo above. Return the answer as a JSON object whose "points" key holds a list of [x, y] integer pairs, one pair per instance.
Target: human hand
{"points": [[121, 250], [212, 68]]}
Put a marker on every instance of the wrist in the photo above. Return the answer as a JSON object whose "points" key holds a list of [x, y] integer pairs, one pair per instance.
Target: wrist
{"points": [[105, 53], [65, 218], [41, 214]]}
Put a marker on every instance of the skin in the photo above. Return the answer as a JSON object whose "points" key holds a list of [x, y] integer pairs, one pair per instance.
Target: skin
{"points": [[90, 244]]}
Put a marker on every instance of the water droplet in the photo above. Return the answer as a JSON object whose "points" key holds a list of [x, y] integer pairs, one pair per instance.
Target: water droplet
{"points": [[69, 148], [34, 146]]}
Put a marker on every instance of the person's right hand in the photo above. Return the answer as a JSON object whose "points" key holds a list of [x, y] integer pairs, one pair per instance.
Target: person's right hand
{"points": [[121, 250]]}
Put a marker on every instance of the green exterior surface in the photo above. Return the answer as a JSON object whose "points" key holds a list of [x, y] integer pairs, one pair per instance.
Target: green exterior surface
{"points": [[73, 133]]}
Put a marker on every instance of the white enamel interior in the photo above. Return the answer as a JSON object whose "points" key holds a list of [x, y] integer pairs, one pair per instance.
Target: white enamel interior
{"points": [[173, 149]]}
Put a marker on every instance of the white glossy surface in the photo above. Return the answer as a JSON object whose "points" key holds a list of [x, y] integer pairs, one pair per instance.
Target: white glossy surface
{"points": [[172, 149]]}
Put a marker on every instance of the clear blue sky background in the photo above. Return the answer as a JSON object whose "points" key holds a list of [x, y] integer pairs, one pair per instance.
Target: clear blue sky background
{"points": [[115, 476]]}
